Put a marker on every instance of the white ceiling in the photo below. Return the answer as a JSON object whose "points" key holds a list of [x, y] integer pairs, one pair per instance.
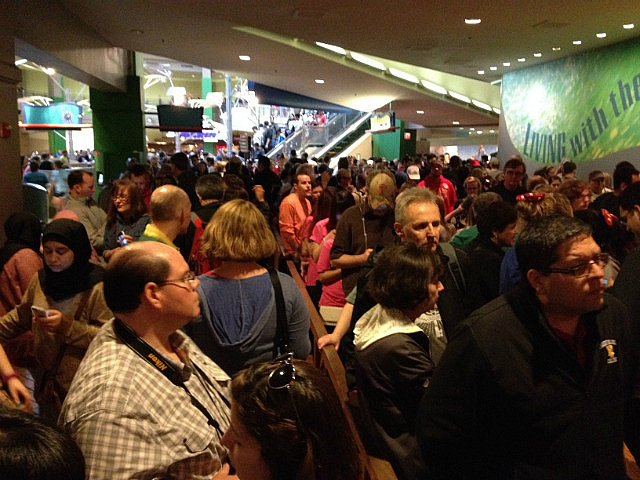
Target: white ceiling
{"points": [[429, 36]]}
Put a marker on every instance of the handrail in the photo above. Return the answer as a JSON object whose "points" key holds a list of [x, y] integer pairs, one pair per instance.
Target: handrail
{"points": [[327, 360]]}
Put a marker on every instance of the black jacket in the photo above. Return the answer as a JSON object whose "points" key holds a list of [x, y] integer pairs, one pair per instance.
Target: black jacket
{"points": [[509, 401]]}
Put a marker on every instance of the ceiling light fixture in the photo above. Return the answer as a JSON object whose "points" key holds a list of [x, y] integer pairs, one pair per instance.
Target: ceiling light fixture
{"points": [[555, 49], [333, 48], [577, 42], [481, 105], [244, 58], [20, 62], [455, 122], [492, 131], [493, 69], [472, 21], [537, 54], [522, 59], [459, 96], [479, 132], [420, 112], [628, 26], [50, 71], [433, 87], [319, 80], [403, 75], [480, 72], [496, 110], [358, 57], [601, 35], [471, 129], [506, 64]]}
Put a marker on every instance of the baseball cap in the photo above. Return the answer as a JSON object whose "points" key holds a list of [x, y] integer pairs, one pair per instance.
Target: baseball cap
{"points": [[596, 174], [413, 172], [381, 190]]}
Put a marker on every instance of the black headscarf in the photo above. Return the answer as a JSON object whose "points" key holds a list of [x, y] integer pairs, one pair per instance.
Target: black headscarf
{"points": [[81, 275], [23, 230]]}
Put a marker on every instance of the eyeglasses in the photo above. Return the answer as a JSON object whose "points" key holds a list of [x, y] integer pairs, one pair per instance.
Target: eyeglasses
{"points": [[184, 282], [121, 197], [284, 374], [582, 269]]}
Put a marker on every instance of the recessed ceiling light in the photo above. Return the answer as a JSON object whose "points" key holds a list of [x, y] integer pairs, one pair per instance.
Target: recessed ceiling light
{"points": [[479, 132], [577, 42], [358, 57], [481, 105], [601, 35], [506, 64], [492, 131], [403, 75], [493, 69], [537, 54], [319, 80], [433, 87], [459, 96], [472, 21], [628, 26], [480, 72], [333, 48], [420, 112], [244, 58], [456, 122], [471, 129], [555, 49], [522, 59]]}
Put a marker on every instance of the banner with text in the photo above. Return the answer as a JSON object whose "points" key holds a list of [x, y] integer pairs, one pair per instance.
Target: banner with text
{"points": [[582, 107]]}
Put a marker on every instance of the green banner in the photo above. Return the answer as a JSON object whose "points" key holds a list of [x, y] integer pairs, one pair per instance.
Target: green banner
{"points": [[582, 107]]}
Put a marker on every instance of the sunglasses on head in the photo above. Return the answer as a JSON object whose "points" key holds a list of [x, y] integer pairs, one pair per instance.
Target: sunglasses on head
{"points": [[284, 374]]}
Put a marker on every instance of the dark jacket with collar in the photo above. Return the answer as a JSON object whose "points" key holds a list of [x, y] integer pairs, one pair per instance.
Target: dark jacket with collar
{"points": [[510, 401]]}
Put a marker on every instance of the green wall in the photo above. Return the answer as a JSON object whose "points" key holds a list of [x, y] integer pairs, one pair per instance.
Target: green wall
{"points": [[118, 128], [392, 145]]}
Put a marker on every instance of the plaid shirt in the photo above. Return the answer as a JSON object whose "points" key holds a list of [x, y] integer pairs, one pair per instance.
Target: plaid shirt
{"points": [[132, 422]]}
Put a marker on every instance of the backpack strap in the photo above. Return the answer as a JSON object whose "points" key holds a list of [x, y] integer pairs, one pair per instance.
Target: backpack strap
{"points": [[454, 266]]}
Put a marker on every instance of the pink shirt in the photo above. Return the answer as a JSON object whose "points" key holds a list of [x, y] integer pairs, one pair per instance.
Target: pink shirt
{"points": [[318, 234], [15, 277], [332, 295], [292, 217]]}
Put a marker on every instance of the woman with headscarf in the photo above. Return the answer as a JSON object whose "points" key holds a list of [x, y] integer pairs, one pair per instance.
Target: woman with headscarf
{"points": [[69, 309], [19, 258]]}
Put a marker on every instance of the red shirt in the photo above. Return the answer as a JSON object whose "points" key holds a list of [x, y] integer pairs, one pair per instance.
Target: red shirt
{"points": [[444, 189]]}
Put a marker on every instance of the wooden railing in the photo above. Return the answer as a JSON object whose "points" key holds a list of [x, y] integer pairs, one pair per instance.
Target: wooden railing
{"points": [[327, 359]]}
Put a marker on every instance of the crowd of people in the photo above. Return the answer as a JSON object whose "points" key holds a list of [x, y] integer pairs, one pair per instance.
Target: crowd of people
{"points": [[485, 318]]}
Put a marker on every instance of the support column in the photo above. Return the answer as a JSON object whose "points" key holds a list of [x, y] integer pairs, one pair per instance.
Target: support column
{"points": [[10, 76], [118, 128], [207, 87]]}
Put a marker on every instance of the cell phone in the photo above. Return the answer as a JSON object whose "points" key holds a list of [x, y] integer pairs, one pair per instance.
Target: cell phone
{"points": [[38, 311], [121, 239]]}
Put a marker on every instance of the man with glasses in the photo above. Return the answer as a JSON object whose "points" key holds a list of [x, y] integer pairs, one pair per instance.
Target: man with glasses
{"points": [[543, 381], [147, 403], [511, 186]]}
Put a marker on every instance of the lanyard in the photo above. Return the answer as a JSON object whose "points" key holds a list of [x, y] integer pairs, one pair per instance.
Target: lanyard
{"points": [[155, 359]]}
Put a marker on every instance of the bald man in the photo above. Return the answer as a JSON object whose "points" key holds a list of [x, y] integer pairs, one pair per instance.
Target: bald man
{"points": [[170, 215], [146, 395]]}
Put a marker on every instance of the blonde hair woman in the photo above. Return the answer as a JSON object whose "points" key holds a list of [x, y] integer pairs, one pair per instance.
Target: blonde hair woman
{"points": [[238, 314]]}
